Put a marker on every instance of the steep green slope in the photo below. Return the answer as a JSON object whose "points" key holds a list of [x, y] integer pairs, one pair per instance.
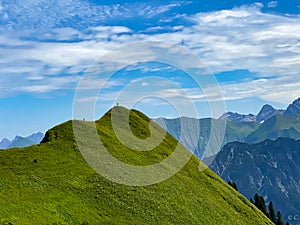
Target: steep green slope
{"points": [[51, 183], [275, 127], [187, 132]]}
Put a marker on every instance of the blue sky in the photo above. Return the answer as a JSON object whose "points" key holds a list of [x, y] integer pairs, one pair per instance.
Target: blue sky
{"points": [[46, 47]]}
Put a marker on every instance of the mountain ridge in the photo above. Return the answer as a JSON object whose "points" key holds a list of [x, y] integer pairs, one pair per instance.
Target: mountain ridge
{"points": [[20, 141], [236, 117], [266, 112], [185, 132], [270, 168], [4, 143], [275, 127], [293, 108], [270, 123]]}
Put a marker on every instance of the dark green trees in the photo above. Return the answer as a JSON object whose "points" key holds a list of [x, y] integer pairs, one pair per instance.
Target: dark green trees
{"points": [[272, 215], [259, 202], [279, 220]]}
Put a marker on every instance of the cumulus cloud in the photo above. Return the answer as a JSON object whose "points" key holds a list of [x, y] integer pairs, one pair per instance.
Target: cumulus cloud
{"points": [[272, 4], [49, 14], [241, 38]]}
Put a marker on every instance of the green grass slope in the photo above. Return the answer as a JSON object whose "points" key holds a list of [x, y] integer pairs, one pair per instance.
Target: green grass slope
{"points": [[51, 183]]}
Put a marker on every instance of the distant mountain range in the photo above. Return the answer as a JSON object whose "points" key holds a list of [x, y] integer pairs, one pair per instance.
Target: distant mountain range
{"points": [[20, 142], [270, 168], [186, 130], [265, 113], [275, 127], [270, 124], [236, 117]]}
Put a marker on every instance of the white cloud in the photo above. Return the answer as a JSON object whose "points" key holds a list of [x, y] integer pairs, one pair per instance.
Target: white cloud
{"points": [[111, 29], [241, 38], [149, 11], [89, 83], [272, 4], [283, 89], [45, 15], [279, 89]]}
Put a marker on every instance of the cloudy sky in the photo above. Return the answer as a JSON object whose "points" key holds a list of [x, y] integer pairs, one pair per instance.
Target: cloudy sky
{"points": [[46, 48]]}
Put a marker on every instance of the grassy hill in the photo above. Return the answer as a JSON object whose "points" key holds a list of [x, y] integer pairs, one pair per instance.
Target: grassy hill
{"points": [[51, 183]]}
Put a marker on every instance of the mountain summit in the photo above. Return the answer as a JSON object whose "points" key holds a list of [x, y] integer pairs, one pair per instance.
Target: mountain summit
{"points": [[267, 112], [236, 117], [51, 183], [293, 108], [5, 143]]}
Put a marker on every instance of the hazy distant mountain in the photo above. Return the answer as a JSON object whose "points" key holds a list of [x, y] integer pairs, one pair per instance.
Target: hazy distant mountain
{"points": [[270, 168], [293, 108], [5, 143], [36, 138], [236, 117], [275, 127], [187, 133], [267, 112], [270, 123], [20, 142]]}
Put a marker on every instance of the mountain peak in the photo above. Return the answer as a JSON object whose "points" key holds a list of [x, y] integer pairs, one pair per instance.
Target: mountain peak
{"points": [[293, 108], [236, 117], [4, 143], [36, 137], [267, 112], [17, 137], [297, 100], [20, 142], [267, 106]]}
